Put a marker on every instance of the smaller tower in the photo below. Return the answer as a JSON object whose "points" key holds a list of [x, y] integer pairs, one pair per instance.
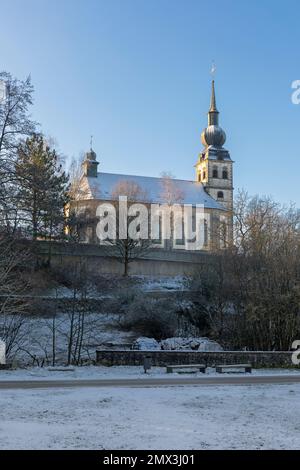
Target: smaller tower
{"points": [[90, 164], [214, 165]]}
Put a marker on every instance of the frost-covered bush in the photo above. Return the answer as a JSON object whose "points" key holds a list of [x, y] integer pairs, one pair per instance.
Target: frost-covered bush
{"points": [[119, 302], [176, 344], [197, 344], [155, 318], [145, 344]]}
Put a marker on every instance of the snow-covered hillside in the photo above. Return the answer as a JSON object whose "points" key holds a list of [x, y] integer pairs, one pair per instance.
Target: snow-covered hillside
{"points": [[35, 338]]}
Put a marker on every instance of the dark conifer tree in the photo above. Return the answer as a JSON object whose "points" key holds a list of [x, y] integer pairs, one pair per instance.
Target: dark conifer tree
{"points": [[42, 189]]}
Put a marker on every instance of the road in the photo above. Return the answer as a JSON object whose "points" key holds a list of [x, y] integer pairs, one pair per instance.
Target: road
{"points": [[150, 382]]}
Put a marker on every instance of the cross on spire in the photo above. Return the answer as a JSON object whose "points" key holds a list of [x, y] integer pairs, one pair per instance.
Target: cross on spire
{"points": [[213, 69]]}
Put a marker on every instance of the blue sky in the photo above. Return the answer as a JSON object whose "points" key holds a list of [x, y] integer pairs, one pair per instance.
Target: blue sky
{"points": [[135, 74]]}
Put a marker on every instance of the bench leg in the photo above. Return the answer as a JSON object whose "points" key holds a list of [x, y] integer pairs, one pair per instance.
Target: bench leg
{"points": [[219, 370], [169, 370], [248, 369]]}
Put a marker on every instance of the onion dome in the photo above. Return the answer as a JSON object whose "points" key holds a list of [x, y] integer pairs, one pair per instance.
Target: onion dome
{"points": [[213, 135], [91, 155]]}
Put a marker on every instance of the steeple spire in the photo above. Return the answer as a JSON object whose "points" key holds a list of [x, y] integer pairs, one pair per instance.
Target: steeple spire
{"points": [[213, 134], [213, 113], [213, 106]]}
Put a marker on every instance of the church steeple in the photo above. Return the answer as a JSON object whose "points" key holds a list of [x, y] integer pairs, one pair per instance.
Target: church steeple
{"points": [[214, 165]]}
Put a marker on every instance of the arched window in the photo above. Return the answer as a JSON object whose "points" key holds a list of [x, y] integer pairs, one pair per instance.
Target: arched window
{"points": [[225, 174], [223, 234], [199, 176], [205, 233], [203, 175], [215, 172], [220, 195]]}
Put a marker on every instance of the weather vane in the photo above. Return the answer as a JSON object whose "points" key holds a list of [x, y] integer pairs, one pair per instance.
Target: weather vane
{"points": [[213, 69]]}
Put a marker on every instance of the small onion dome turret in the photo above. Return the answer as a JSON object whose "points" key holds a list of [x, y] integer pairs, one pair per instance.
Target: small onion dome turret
{"points": [[91, 155]]}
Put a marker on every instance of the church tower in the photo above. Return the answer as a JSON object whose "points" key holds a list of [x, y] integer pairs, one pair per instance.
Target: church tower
{"points": [[214, 165], [90, 164]]}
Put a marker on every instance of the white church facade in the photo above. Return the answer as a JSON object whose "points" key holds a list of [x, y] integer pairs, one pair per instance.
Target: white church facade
{"points": [[211, 189]]}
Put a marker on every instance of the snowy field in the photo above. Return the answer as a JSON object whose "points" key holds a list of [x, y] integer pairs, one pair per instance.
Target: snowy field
{"points": [[211, 417]]}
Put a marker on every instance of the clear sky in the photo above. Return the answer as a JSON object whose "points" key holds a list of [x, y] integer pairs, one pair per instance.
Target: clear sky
{"points": [[135, 74]]}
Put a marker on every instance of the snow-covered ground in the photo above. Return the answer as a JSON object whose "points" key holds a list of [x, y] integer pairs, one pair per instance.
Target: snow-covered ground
{"points": [[148, 283], [35, 336], [118, 372], [212, 417], [145, 283], [33, 341]]}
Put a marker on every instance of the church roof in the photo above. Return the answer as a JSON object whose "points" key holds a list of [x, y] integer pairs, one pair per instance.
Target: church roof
{"points": [[190, 192]]}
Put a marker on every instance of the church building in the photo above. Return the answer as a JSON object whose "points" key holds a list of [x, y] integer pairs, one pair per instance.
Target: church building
{"points": [[212, 188]]}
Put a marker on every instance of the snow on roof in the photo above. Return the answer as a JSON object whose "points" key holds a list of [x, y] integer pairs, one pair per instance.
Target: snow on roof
{"points": [[192, 192]]}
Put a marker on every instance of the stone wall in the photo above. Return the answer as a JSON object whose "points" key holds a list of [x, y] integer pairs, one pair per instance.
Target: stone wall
{"points": [[158, 262], [162, 358]]}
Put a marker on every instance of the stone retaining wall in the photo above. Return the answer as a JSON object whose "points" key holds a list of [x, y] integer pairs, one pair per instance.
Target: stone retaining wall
{"points": [[157, 262], [162, 358]]}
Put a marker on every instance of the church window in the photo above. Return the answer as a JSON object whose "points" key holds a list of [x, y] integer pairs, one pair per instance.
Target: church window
{"points": [[223, 234], [199, 176], [89, 235], [203, 175], [205, 233], [225, 174], [220, 195], [215, 172]]}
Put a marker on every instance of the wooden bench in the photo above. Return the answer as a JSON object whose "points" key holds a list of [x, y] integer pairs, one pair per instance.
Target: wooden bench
{"points": [[200, 367], [246, 367]]}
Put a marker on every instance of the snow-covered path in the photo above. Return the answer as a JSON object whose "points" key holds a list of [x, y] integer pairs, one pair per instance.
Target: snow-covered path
{"points": [[142, 382], [124, 372], [222, 417]]}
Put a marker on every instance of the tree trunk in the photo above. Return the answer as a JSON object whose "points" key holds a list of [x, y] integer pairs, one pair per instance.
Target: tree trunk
{"points": [[70, 344], [126, 261]]}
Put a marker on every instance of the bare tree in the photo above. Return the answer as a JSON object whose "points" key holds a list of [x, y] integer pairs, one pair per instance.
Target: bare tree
{"points": [[76, 190], [13, 288], [171, 193], [251, 290], [76, 312], [267, 271], [130, 189], [128, 248], [15, 125], [78, 215]]}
